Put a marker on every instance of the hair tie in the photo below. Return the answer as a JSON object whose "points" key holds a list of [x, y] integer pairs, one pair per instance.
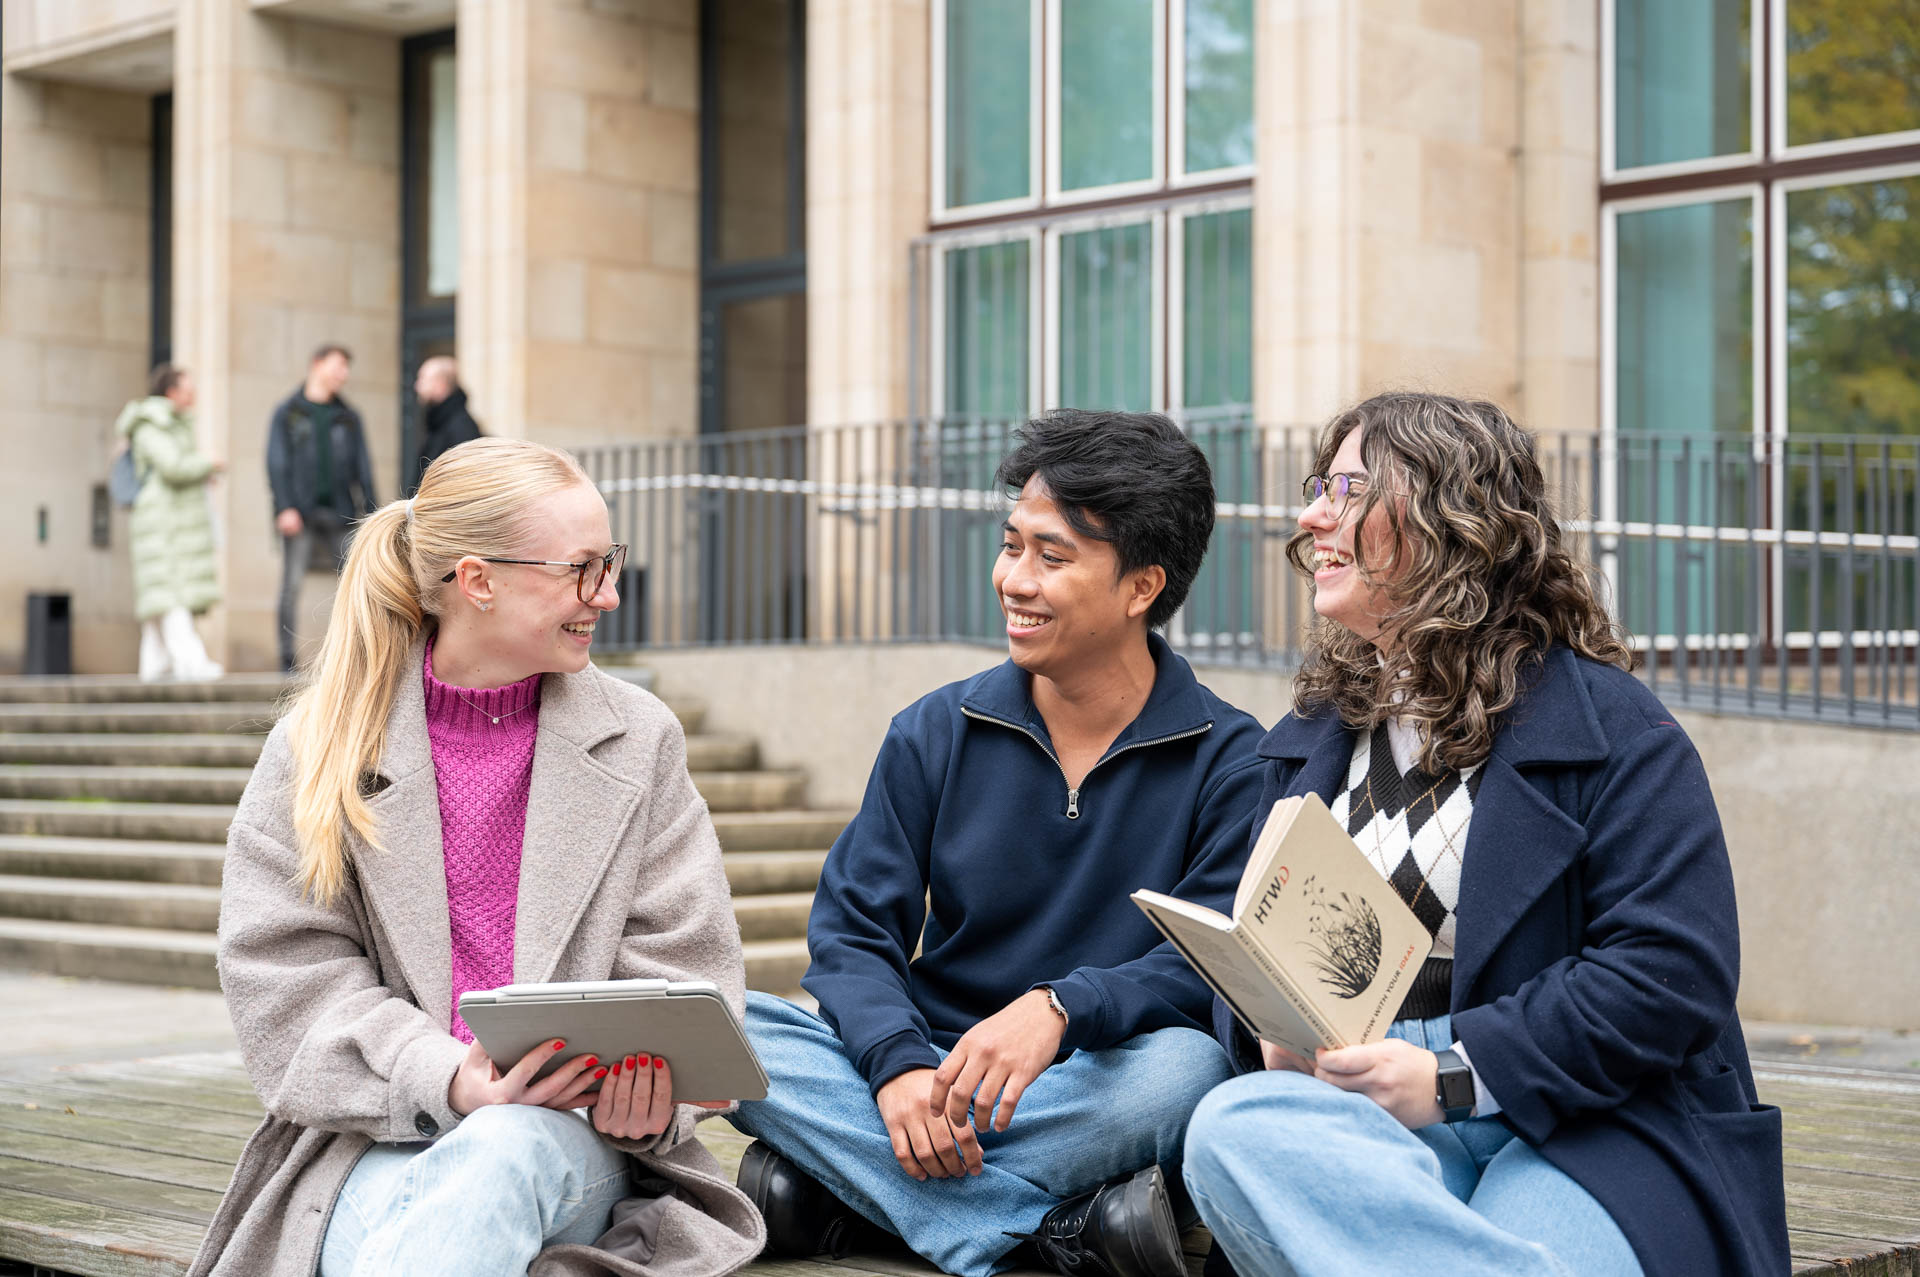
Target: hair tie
{"points": [[409, 509]]}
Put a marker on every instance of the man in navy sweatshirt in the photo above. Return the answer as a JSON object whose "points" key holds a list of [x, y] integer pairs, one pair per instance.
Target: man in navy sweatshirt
{"points": [[1029, 1071]]}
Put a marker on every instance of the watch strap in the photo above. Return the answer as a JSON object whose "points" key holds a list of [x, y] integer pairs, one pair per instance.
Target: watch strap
{"points": [[1454, 1086]]}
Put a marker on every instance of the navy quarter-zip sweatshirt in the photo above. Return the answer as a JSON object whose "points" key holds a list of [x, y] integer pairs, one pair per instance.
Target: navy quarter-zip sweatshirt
{"points": [[1028, 880]]}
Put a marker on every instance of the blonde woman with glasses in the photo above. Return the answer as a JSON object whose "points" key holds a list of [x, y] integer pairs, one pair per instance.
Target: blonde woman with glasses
{"points": [[1567, 1090], [458, 801]]}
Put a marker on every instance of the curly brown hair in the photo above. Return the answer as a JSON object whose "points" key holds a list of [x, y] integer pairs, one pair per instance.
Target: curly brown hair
{"points": [[1481, 583]]}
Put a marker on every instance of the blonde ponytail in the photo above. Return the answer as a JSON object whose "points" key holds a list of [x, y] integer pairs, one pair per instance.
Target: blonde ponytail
{"points": [[475, 499]]}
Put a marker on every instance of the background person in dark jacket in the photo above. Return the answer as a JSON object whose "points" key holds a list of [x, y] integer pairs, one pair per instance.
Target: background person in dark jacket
{"points": [[321, 476], [1571, 1094], [444, 416], [1029, 800]]}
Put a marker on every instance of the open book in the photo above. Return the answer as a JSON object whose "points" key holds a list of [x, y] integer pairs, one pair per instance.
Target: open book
{"points": [[1320, 950]]}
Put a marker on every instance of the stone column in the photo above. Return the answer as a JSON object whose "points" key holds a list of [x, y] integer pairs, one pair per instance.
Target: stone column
{"points": [[74, 266], [579, 251], [286, 215], [1560, 201], [867, 148], [1386, 220]]}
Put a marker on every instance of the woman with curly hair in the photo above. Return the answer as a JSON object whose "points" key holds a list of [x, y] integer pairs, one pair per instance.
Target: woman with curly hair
{"points": [[1567, 1089]]}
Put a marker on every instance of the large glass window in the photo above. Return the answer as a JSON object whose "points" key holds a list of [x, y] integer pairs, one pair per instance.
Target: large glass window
{"points": [[1776, 427], [1217, 48], [988, 101], [1852, 69], [1106, 75], [1853, 307], [1106, 312], [986, 351], [1077, 293], [1682, 80]]}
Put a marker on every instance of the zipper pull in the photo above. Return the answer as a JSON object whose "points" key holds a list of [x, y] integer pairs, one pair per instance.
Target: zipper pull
{"points": [[1073, 804]]}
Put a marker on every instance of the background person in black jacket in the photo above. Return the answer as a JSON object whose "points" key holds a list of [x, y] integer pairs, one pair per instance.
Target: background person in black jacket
{"points": [[444, 416], [322, 480]]}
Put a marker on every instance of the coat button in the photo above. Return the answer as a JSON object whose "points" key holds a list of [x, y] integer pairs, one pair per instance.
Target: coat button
{"points": [[424, 1123]]}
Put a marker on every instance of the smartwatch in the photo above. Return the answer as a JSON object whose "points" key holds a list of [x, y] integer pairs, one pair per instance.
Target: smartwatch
{"points": [[1455, 1088]]}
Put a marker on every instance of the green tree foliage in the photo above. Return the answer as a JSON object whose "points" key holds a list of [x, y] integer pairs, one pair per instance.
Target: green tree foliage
{"points": [[1853, 308], [1853, 68]]}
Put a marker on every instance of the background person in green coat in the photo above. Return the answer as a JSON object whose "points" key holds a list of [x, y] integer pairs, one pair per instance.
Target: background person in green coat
{"points": [[174, 576]]}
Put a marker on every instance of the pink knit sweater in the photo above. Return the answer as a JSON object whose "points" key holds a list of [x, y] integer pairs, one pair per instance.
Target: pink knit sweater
{"points": [[483, 762]]}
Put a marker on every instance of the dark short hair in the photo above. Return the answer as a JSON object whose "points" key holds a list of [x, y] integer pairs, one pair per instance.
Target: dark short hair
{"points": [[331, 348], [164, 378], [1131, 479]]}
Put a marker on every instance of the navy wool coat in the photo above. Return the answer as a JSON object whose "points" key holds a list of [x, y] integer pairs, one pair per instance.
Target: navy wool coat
{"points": [[1595, 964]]}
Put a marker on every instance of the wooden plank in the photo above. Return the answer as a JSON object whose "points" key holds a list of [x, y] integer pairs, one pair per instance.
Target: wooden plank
{"points": [[226, 1087], [103, 1188], [129, 1110], [1822, 1252], [134, 1163], [157, 1139], [142, 1088], [93, 1241]]}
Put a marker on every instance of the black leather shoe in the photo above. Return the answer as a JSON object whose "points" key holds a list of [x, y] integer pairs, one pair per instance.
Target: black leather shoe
{"points": [[1123, 1229], [803, 1218]]}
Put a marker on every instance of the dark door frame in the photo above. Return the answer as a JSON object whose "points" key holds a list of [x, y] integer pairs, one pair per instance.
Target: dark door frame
{"points": [[430, 322]]}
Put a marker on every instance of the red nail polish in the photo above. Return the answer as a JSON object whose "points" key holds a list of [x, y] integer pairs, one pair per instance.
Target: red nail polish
{"points": [[641, 1061], [616, 1068], [557, 1044], [659, 1063], [601, 1073], [591, 1061], [629, 1061]]}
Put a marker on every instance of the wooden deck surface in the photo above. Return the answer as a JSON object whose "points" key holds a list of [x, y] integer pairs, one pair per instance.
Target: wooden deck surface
{"points": [[112, 1170]]}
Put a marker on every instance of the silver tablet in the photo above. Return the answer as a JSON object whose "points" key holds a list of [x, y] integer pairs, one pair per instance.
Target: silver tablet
{"points": [[686, 1021]]}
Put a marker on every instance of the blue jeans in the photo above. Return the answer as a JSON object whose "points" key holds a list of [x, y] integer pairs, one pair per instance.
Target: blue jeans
{"points": [[1093, 1117], [492, 1193], [1295, 1176]]}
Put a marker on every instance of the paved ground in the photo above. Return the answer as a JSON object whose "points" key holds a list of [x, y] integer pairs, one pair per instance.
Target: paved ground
{"points": [[52, 1020]]}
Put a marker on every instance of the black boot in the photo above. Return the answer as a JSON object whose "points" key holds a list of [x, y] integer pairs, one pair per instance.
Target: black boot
{"points": [[803, 1218], [1123, 1229]]}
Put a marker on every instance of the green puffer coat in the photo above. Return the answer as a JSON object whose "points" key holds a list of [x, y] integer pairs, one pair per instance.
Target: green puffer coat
{"points": [[171, 524]]}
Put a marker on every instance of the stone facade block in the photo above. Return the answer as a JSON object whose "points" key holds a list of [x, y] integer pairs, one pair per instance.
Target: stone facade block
{"points": [[557, 130], [643, 309], [557, 300], [634, 142]]}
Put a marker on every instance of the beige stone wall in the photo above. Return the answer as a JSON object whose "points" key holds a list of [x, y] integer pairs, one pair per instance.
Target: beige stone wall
{"points": [[74, 264], [287, 213], [1386, 213], [1560, 211], [45, 29], [1823, 867], [867, 149], [578, 311]]}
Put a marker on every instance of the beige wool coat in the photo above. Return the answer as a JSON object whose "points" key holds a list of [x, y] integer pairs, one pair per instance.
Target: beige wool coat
{"points": [[343, 1011]]}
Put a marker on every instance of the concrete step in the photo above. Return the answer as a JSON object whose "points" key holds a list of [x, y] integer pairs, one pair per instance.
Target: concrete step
{"points": [[126, 784], [751, 791], [225, 717], [117, 859], [98, 689], [178, 907], [155, 822], [222, 717], [751, 873], [743, 830], [166, 905], [772, 965], [98, 749], [207, 749], [724, 791], [137, 955], [204, 822], [144, 955], [198, 864], [779, 916]]}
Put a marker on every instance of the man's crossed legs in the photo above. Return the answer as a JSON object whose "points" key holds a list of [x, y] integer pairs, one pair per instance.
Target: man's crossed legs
{"points": [[1093, 1118]]}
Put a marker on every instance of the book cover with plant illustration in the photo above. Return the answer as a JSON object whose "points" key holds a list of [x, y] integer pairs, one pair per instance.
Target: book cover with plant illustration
{"points": [[1319, 951]]}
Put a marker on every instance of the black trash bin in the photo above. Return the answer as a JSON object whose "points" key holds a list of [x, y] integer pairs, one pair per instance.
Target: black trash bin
{"points": [[49, 634]]}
